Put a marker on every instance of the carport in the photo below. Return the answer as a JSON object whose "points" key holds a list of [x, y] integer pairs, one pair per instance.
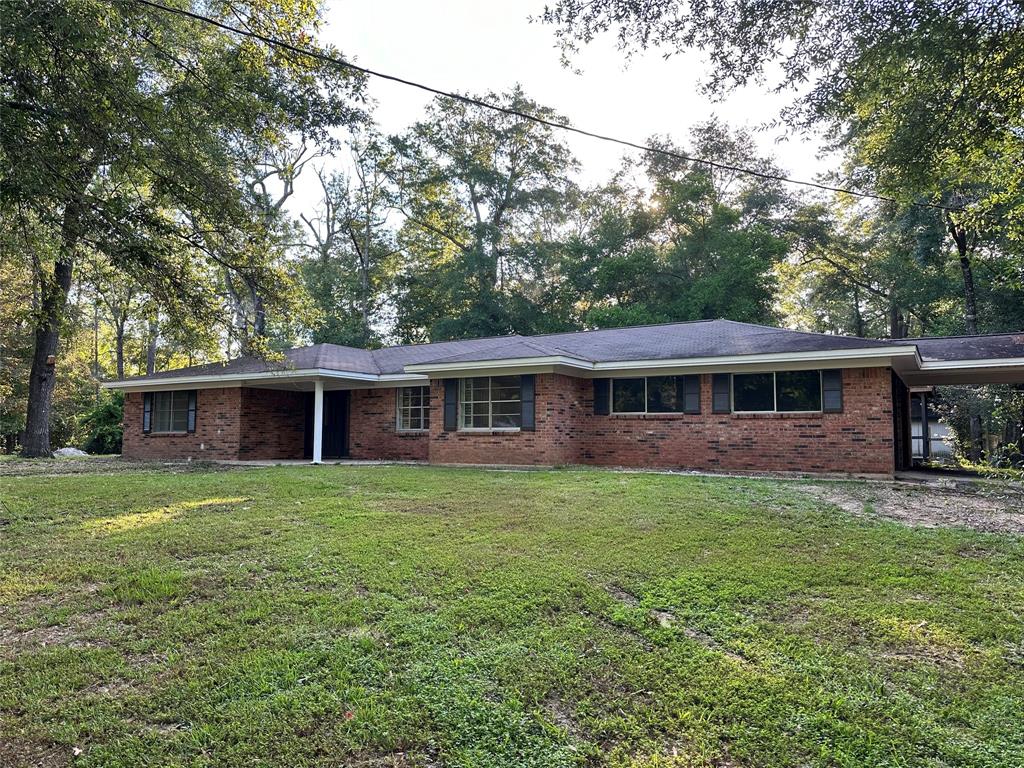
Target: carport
{"points": [[949, 360]]}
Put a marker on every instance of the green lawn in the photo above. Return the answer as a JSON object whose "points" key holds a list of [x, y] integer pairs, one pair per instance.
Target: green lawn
{"points": [[379, 616]]}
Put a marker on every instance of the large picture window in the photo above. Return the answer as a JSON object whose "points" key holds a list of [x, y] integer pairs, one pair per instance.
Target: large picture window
{"points": [[785, 391], [170, 411], [413, 409], [656, 394], [490, 402]]}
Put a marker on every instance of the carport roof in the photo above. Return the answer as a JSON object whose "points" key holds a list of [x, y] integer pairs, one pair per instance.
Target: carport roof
{"points": [[992, 346]]}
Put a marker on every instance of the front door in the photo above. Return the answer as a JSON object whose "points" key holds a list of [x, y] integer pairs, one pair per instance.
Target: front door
{"points": [[335, 435], [901, 442]]}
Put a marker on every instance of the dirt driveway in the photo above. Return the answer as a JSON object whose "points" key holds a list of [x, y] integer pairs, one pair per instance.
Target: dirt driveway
{"points": [[982, 506]]}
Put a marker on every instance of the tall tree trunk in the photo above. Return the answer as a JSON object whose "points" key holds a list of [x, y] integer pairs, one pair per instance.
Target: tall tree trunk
{"points": [[259, 312], [119, 345], [858, 317], [963, 248], [52, 307], [897, 323], [154, 335]]}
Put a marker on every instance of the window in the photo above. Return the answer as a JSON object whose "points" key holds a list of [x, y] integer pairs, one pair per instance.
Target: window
{"points": [[413, 409], [753, 392], [490, 402], [798, 390], [629, 395], [170, 411], [656, 394], [785, 391]]}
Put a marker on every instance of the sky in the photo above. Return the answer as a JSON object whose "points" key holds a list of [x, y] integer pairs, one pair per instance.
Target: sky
{"points": [[481, 45]]}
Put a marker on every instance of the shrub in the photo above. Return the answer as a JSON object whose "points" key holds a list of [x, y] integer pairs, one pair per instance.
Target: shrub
{"points": [[99, 428]]}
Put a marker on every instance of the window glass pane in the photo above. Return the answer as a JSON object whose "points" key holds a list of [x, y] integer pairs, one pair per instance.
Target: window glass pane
{"points": [[664, 394], [753, 392], [798, 390], [503, 421], [628, 396], [490, 402], [414, 408], [170, 411]]}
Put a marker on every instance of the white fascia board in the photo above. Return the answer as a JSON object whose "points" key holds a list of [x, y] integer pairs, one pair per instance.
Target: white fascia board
{"points": [[836, 358], [957, 365], [237, 379], [839, 357]]}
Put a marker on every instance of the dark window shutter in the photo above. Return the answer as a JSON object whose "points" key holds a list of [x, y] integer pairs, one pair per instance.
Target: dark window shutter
{"points": [[720, 395], [601, 397], [691, 394], [147, 412], [192, 410], [832, 391], [528, 387], [451, 405]]}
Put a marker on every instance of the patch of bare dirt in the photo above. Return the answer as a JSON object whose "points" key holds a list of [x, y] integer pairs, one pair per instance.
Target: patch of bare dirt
{"points": [[563, 716], [104, 465], [624, 597], [667, 620], [928, 507], [21, 753]]}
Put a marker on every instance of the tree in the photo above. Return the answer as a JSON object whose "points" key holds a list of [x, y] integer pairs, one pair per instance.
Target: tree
{"points": [[126, 130], [477, 190], [924, 96], [686, 242], [875, 270], [353, 249]]}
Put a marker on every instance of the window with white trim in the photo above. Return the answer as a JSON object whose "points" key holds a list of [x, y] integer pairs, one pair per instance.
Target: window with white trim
{"points": [[413, 409], [656, 394], [783, 392], [490, 402], [170, 411]]}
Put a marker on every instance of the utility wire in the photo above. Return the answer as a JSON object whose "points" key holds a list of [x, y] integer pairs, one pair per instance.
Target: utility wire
{"points": [[526, 115]]}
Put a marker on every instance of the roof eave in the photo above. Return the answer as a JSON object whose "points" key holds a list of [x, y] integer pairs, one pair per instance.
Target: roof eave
{"points": [[262, 378], [840, 358]]}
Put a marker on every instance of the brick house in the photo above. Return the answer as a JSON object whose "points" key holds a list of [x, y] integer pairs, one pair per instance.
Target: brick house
{"points": [[711, 395]]}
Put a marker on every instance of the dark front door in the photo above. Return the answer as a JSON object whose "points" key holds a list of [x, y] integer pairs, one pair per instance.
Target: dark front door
{"points": [[901, 423], [335, 435]]}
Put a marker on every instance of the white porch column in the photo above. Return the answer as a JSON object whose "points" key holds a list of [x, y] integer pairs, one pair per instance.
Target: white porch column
{"points": [[318, 420]]}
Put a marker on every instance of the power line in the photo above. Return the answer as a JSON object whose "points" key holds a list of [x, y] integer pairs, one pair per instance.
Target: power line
{"points": [[526, 115]]}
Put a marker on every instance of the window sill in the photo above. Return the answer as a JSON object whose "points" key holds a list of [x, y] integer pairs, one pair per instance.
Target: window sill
{"points": [[166, 434], [655, 416], [776, 414], [412, 431], [488, 430]]}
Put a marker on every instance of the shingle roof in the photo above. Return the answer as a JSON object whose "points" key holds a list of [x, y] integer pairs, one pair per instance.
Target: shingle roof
{"points": [[673, 341], [994, 346], [700, 338]]}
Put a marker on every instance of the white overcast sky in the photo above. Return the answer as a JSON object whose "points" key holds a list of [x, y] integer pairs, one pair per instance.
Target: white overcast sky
{"points": [[479, 45]]}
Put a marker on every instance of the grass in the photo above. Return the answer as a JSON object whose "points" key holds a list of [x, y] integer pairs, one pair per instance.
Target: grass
{"points": [[400, 616]]}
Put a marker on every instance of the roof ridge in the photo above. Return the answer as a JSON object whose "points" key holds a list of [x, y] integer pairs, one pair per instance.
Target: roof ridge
{"points": [[797, 330], [508, 340], [527, 340], [452, 341], [621, 328]]}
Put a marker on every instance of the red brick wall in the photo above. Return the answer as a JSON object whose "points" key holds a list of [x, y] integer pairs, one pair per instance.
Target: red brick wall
{"points": [[858, 440], [216, 436], [268, 424], [553, 442], [273, 424], [373, 432]]}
